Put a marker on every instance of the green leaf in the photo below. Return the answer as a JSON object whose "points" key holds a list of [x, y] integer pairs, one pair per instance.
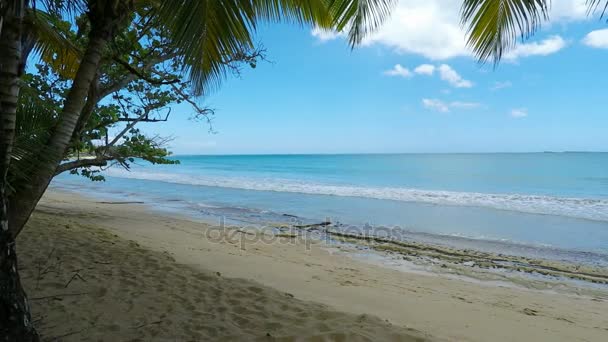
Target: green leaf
{"points": [[209, 32], [493, 26], [42, 31]]}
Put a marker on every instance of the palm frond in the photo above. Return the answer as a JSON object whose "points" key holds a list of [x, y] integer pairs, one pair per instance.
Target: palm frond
{"points": [[33, 129], [49, 44], [208, 32], [69, 8], [594, 5], [359, 17], [298, 11], [493, 26]]}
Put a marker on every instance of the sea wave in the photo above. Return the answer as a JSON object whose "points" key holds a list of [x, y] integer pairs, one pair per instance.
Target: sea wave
{"points": [[585, 208]]}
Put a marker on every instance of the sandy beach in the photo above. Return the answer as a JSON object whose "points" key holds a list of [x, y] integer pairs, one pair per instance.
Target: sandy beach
{"points": [[120, 271]]}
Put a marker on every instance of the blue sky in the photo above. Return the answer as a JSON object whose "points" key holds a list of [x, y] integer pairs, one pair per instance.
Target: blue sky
{"points": [[412, 87]]}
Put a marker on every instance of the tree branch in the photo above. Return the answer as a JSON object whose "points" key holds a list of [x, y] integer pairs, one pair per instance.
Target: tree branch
{"points": [[102, 93], [75, 164], [136, 72], [87, 110], [127, 128], [200, 112], [133, 74]]}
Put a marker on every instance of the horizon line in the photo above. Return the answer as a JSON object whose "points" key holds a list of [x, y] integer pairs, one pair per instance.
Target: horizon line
{"points": [[373, 153]]}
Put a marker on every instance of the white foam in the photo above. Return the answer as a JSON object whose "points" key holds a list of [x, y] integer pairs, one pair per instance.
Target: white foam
{"points": [[592, 209]]}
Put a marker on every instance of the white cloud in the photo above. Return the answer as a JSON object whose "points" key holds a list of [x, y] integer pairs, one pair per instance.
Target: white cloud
{"points": [[431, 28], [465, 105], [443, 107], [425, 69], [568, 10], [501, 85], [325, 35], [450, 75], [446, 73], [424, 27], [399, 70], [435, 104], [543, 48], [519, 113], [597, 39]]}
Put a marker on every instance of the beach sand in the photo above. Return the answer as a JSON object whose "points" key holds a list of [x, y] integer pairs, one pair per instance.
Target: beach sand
{"points": [[115, 271]]}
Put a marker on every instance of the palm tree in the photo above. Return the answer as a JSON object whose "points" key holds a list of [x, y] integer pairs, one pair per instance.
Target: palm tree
{"points": [[204, 33], [494, 26], [14, 310]]}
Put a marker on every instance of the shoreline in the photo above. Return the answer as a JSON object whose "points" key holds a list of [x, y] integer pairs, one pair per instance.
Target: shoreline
{"points": [[463, 257], [458, 227], [478, 264], [441, 307]]}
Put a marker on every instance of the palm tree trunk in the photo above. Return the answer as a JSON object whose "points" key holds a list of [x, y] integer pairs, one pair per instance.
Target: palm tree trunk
{"points": [[105, 17], [15, 317], [24, 202]]}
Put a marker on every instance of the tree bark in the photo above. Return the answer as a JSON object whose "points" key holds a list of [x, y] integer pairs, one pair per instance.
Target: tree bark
{"points": [[15, 317], [105, 17], [76, 164], [24, 202]]}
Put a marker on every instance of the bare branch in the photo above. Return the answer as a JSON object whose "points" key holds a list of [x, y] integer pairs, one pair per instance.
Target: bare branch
{"points": [[200, 112], [79, 163], [127, 129], [132, 76], [141, 75], [248, 56]]}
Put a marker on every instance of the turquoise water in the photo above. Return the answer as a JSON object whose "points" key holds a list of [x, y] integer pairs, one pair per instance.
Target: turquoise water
{"points": [[550, 203]]}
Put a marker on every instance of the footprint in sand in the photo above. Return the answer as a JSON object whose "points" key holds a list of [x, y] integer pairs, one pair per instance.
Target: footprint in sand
{"points": [[530, 312]]}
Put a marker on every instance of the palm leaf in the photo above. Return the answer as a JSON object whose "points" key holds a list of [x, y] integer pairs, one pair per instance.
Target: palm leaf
{"points": [[49, 44], [594, 5], [298, 11], [69, 8], [493, 26], [207, 32], [33, 128], [359, 17]]}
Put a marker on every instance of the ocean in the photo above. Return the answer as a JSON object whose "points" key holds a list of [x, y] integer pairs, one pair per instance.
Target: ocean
{"points": [[552, 205]]}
